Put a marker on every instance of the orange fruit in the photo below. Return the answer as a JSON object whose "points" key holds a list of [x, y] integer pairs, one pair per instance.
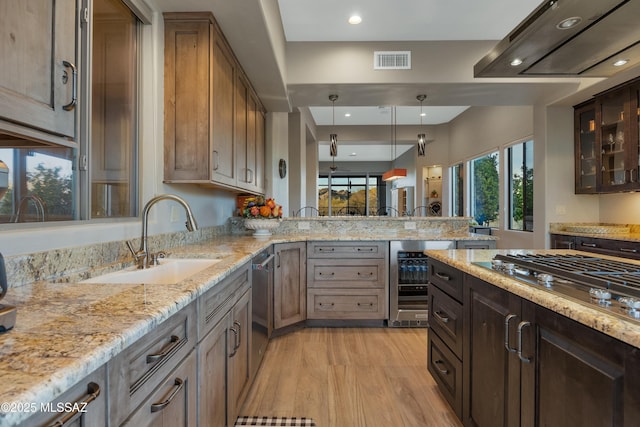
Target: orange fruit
{"points": [[265, 211]]}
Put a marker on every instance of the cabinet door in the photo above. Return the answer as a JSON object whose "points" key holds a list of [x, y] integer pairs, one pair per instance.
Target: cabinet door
{"points": [[616, 142], [558, 241], [289, 286], [576, 375], [187, 94], [38, 50], [492, 373], [239, 360], [586, 151], [223, 80], [212, 377], [260, 149], [173, 403]]}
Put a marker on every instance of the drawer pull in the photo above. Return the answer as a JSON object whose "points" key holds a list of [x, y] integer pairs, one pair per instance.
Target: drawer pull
{"points": [[507, 319], [326, 249], [365, 274], [370, 304], [440, 317], [367, 249], [521, 325], [633, 251], [322, 304], [589, 245], [173, 344], [330, 274], [178, 384], [443, 276], [441, 362], [93, 391]]}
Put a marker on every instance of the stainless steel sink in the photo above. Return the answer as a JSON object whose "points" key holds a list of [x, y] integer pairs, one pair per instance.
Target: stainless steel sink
{"points": [[170, 271]]}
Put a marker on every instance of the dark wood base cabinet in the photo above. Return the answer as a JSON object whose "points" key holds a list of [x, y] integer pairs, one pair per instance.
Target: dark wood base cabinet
{"points": [[528, 366]]}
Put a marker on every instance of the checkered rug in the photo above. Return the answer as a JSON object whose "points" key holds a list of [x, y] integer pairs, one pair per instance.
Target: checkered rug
{"points": [[275, 421]]}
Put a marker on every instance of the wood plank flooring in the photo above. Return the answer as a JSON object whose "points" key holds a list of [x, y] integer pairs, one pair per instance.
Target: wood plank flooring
{"points": [[350, 377]]}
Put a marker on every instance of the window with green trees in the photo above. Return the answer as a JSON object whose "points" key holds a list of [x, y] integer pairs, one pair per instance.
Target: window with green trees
{"points": [[520, 163], [485, 189]]}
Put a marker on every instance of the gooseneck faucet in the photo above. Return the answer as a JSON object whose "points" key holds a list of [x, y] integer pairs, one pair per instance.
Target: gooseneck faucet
{"points": [[142, 255]]}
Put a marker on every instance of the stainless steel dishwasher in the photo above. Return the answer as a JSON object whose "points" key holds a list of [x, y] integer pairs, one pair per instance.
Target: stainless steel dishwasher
{"points": [[262, 306]]}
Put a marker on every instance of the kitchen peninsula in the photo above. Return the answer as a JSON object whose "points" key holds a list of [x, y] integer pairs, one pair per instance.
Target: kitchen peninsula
{"points": [[511, 339], [66, 330]]}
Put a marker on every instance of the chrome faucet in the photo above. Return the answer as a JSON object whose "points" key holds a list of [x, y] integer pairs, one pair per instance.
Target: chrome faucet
{"points": [[37, 202], [142, 256]]}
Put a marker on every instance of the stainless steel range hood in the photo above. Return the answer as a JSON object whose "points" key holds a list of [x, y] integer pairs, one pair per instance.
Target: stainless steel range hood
{"points": [[606, 31]]}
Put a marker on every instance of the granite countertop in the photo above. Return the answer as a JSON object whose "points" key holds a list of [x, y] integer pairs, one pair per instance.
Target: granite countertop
{"points": [[65, 330], [612, 324]]}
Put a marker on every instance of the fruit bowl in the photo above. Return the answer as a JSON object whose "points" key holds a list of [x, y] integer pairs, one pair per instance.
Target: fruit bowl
{"points": [[261, 227]]}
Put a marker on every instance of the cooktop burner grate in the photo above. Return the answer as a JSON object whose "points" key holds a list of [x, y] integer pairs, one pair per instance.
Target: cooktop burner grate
{"points": [[619, 276]]}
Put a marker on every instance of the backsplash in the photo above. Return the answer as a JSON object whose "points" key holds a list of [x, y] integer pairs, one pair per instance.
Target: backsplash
{"points": [[70, 264], [339, 225]]}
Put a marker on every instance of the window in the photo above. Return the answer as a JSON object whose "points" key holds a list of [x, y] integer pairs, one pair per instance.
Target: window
{"points": [[48, 183], [457, 190], [520, 164], [350, 195], [485, 189]]}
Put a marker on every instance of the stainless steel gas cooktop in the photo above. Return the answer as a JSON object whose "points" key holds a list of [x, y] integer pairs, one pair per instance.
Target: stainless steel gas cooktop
{"points": [[608, 284]]}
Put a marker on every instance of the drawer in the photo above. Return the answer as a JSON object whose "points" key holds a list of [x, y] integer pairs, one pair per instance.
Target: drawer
{"points": [[347, 249], [346, 304], [476, 244], [139, 369], [446, 370], [447, 278], [348, 273], [617, 248], [218, 300], [445, 319]]}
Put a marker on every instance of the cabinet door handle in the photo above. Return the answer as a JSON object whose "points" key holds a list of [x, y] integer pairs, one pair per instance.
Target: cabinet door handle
{"points": [[507, 319], [443, 276], [250, 178], [441, 362], [214, 155], [235, 340], [521, 325], [174, 343], [178, 384], [633, 251], [239, 335], [588, 245], [440, 317], [74, 86], [93, 391]]}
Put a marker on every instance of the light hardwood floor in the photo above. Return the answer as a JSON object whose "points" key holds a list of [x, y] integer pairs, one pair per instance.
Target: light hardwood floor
{"points": [[350, 377]]}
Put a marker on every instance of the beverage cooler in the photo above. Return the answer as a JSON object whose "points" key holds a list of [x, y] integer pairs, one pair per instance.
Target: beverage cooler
{"points": [[408, 281]]}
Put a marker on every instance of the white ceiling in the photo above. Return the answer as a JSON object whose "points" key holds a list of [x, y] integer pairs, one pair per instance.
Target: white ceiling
{"points": [[393, 20]]}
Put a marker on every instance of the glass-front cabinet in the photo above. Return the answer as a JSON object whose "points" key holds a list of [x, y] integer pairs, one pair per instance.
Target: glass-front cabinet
{"points": [[586, 160], [607, 141]]}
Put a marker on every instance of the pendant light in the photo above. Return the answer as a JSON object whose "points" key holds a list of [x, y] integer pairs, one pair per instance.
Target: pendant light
{"points": [[422, 139], [333, 138], [393, 173]]}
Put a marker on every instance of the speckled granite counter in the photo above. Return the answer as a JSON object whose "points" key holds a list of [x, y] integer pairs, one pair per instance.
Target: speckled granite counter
{"points": [[65, 330], [611, 324], [632, 235]]}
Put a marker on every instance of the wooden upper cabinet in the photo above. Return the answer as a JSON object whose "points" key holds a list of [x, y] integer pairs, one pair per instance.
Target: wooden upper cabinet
{"points": [[38, 83], [210, 126], [607, 141]]}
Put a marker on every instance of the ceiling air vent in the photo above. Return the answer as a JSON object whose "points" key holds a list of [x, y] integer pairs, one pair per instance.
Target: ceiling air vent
{"points": [[400, 60]]}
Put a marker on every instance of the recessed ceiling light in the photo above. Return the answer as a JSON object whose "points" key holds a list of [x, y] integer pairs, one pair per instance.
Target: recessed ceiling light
{"points": [[352, 154], [423, 114], [516, 62], [620, 62], [565, 24], [355, 19], [347, 114]]}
